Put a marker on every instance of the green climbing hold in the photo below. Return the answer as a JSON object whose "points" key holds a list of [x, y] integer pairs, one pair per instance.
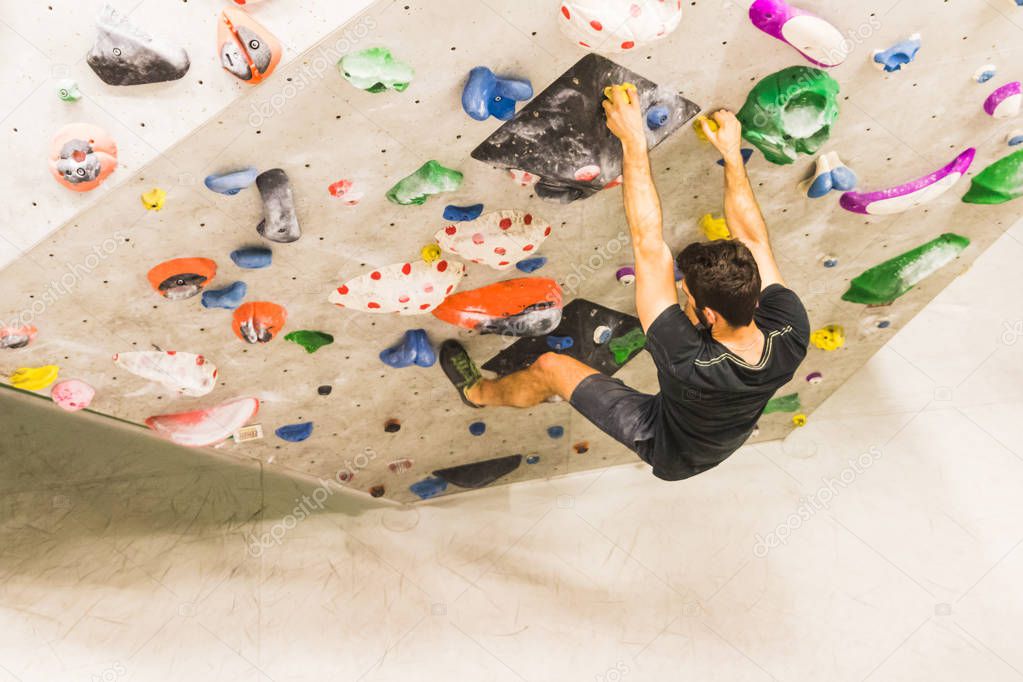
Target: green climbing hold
{"points": [[627, 345], [375, 70], [790, 112], [784, 403], [884, 283], [1000, 182], [311, 340], [68, 90], [431, 178]]}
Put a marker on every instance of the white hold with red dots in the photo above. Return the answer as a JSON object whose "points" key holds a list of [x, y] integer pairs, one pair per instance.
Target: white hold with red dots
{"points": [[618, 25], [498, 239], [402, 288], [186, 373]]}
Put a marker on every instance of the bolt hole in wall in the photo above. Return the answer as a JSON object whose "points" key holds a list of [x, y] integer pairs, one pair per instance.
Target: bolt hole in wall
{"points": [[291, 281]]}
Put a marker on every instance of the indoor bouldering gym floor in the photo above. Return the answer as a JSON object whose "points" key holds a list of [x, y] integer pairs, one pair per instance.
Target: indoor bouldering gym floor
{"points": [[233, 236]]}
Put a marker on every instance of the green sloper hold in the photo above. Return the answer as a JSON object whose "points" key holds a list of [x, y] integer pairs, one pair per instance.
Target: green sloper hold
{"points": [[311, 340], [784, 403], [431, 178], [884, 283], [627, 345], [375, 70], [1000, 182], [790, 112]]}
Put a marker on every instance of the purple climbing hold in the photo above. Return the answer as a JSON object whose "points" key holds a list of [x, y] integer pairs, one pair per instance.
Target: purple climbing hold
{"points": [[252, 257], [487, 95], [414, 349], [461, 214], [560, 342], [1005, 101], [531, 264], [626, 275], [477, 428]]}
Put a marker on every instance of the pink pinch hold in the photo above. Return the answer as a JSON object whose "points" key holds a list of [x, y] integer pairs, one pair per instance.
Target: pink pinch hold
{"points": [[1005, 101], [72, 394]]}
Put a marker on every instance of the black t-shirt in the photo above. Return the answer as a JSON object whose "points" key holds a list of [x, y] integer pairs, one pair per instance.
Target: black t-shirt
{"points": [[711, 398]]}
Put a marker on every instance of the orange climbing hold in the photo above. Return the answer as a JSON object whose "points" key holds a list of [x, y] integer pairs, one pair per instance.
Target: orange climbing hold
{"points": [[258, 321], [82, 156], [182, 277], [247, 49], [525, 306]]}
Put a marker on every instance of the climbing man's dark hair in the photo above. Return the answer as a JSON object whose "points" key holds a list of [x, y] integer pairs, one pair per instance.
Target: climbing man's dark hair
{"points": [[722, 275]]}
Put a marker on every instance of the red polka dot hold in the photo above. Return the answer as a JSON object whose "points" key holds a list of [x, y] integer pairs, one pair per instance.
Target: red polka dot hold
{"points": [[505, 223], [406, 269], [374, 275], [628, 45], [565, 12], [442, 266], [499, 251], [477, 238], [596, 25], [547, 232], [373, 305], [503, 263], [527, 219], [424, 306], [342, 290], [403, 299], [450, 229], [448, 290], [527, 247]]}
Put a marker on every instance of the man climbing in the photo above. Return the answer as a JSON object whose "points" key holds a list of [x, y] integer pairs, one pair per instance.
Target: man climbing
{"points": [[740, 338]]}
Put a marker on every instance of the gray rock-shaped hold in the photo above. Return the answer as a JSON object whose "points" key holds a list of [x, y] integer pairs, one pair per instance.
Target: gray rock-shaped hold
{"points": [[123, 54], [280, 222]]}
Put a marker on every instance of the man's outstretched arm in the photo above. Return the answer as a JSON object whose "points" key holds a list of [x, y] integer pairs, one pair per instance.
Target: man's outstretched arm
{"points": [[742, 212], [655, 269]]}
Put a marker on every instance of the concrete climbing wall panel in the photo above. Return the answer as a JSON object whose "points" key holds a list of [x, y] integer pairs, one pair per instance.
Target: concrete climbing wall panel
{"points": [[85, 287]]}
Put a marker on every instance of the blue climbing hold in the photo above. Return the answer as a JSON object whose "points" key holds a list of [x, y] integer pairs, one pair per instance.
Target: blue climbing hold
{"points": [[747, 154], [898, 55], [231, 183], [831, 174], [295, 433], [486, 95], [461, 214], [414, 349], [531, 264], [1015, 138], [477, 428], [252, 257], [560, 342], [884, 324], [429, 487], [555, 431], [657, 116], [229, 297], [532, 459]]}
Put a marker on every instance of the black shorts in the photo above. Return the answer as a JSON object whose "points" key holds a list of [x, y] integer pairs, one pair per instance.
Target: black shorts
{"points": [[621, 412]]}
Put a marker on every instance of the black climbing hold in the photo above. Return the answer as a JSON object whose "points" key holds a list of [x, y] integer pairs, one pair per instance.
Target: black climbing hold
{"points": [[581, 447], [562, 131], [480, 474], [579, 319], [392, 426], [325, 389], [377, 491]]}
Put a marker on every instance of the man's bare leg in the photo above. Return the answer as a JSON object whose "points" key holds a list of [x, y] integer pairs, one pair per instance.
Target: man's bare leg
{"points": [[550, 375]]}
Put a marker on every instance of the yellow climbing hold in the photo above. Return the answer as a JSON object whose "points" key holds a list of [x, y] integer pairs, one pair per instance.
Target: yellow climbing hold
{"points": [[153, 199], [623, 86], [799, 420], [699, 128], [714, 228], [34, 378], [829, 338], [430, 253]]}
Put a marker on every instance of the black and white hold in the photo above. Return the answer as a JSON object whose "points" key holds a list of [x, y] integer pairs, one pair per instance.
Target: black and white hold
{"points": [[280, 222], [123, 54]]}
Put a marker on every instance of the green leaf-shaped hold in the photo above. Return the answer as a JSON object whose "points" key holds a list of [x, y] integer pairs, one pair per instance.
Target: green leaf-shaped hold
{"points": [[884, 283], [431, 178], [1000, 182], [784, 403], [309, 339], [627, 345], [790, 112], [375, 70]]}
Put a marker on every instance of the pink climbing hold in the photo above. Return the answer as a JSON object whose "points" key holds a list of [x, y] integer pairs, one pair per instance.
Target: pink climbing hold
{"points": [[72, 394], [346, 191], [1005, 101], [587, 173], [209, 426]]}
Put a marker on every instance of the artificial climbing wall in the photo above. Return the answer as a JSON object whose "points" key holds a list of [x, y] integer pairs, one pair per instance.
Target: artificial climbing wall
{"points": [[319, 129]]}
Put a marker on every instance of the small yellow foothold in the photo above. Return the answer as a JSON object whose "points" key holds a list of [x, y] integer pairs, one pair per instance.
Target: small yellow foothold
{"points": [[699, 128], [829, 338], [153, 199], [714, 228], [623, 86], [430, 253], [34, 378], [799, 420]]}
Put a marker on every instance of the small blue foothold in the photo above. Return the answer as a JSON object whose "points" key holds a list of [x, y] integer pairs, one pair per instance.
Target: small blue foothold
{"points": [[477, 428], [252, 257], [414, 349], [898, 55], [231, 183], [884, 324], [531, 264], [555, 431], [657, 116], [830, 262], [429, 487], [747, 154], [560, 342], [844, 179], [486, 95], [821, 186], [229, 297], [532, 459], [459, 214], [1015, 139], [295, 433]]}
